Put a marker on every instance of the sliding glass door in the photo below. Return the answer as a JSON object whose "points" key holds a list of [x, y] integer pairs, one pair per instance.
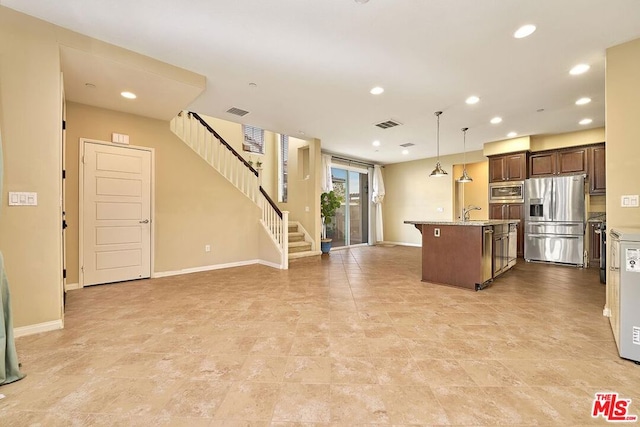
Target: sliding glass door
{"points": [[351, 224]]}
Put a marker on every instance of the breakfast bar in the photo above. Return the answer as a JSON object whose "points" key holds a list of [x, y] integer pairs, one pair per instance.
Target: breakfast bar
{"points": [[467, 254]]}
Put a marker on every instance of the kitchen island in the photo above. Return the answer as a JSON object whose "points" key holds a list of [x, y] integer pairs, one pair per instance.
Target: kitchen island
{"points": [[467, 254]]}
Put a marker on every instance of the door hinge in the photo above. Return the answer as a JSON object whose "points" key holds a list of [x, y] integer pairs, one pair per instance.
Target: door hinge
{"points": [[64, 224], [64, 174], [64, 273], [64, 124]]}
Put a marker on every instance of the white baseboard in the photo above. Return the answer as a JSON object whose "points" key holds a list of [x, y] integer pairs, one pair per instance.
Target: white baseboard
{"points": [[415, 245], [269, 264], [37, 328], [72, 286], [210, 267]]}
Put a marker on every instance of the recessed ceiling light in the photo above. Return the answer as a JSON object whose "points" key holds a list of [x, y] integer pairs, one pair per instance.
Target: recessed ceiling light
{"points": [[376, 90], [405, 151], [540, 110], [362, 1], [585, 121], [583, 101], [579, 69], [376, 143], [524, 31], [512, 134], [128, 95], [496, 120], [472, 100]]}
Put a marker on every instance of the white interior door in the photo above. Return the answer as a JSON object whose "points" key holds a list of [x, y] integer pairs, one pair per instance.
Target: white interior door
{"points": [[116, 214]]}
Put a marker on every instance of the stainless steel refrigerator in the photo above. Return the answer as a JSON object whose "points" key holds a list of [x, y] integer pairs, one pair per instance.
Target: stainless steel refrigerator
{"points": [[555, 219], [624, 293]]}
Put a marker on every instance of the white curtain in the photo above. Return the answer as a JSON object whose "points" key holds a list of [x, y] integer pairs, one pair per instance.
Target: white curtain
{"points": [[377, 196], [325, 181]]}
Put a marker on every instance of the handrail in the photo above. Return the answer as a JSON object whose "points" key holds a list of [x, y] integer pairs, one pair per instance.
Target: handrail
{"points": [[230, 148], [271, 202]]}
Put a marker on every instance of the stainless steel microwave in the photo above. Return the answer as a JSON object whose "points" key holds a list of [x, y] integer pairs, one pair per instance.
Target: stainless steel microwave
{"points": [[506, 192]]}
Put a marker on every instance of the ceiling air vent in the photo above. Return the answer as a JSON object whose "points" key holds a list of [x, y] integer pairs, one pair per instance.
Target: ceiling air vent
{"points": [[407, 144], [388, 124], [237, 111]]}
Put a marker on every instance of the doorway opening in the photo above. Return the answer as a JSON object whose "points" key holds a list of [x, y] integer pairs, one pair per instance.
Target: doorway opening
{"points": [[351, 223]]}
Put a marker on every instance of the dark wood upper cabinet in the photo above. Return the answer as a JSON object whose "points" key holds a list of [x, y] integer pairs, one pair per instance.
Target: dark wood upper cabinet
{"points": [[508, 167], [565, 161], [597, 170]]}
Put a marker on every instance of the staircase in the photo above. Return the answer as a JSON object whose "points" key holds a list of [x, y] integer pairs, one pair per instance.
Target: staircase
{"points": [[213, 149], [300, 244]]}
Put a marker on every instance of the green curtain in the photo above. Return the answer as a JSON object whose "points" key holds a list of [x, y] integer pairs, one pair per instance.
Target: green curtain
{"points": [[9, 367]]}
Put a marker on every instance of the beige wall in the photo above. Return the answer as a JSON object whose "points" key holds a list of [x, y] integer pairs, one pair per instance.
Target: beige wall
{"points": [[412, 195], [569, 139], [30, 237], [623, 132], [304, 186], [194, 205], [512, 145], [474, 193]]}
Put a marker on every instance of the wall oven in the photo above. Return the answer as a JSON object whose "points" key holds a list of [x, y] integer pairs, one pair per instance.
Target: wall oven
{"points": [[506, 192]]}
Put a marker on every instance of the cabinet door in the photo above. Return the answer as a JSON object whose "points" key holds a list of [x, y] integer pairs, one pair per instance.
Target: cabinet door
{"points": [[594, 244], [597, 171], [516, 167], [496, 169], [542, 164], [572, 161], [497, 211], [516, 211]]}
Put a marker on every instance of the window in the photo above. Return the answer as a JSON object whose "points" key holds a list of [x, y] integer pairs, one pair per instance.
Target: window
{"points": [[283, 173], [253, 139]]}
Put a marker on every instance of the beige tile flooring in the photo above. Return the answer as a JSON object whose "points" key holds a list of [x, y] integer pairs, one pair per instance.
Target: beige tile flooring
{"points": [[354, 338]]}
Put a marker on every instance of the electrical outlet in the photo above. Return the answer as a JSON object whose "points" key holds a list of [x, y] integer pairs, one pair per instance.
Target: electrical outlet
{"points": [[440, 209], [207, 248], [436, 232], [306, 208]]}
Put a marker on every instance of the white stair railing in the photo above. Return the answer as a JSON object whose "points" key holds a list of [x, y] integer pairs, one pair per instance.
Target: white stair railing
{"points": [[210, 146]]}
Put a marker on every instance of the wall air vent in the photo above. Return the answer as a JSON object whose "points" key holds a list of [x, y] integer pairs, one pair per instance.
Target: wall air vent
{"points": [[407, 144], [237, 111], [388, 124]]}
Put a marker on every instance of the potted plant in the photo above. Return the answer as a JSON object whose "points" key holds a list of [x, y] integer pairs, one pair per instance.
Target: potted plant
{"points": [[329, 204]]}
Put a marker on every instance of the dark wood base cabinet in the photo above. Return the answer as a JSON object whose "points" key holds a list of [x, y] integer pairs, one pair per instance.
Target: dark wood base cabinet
{"points": [[510, 211]]}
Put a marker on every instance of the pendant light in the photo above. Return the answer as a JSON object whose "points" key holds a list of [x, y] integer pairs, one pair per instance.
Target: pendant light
{"points": [[465, 177], [438, 171]]}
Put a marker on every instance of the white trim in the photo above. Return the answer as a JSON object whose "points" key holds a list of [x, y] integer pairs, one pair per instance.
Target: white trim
{"points": [[270, 264], [415, 245], [606, 312], [211, 267], [23, 331], [72, 286]]}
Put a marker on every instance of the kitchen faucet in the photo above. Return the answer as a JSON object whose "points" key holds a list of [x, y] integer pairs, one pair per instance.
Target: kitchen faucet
{"points": [[466, 211]]}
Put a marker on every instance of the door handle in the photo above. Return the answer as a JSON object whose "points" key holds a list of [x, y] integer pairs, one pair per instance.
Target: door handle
{"points": [[146, 221]]}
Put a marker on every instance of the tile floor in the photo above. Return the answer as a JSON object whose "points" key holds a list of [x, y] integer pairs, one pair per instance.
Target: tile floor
{"points": [[353, 338]]}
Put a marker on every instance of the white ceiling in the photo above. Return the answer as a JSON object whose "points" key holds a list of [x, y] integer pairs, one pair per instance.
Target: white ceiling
{"points": [[314, 63]]}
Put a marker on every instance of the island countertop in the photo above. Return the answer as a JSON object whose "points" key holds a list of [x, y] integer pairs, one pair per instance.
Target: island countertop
{"points": [[476, 223]]}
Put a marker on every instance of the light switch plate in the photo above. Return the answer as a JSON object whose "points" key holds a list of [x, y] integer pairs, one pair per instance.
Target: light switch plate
{"points": [[630, 201], [23, 198]]}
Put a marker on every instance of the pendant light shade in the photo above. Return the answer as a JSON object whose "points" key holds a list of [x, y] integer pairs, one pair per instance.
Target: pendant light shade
{"points": [[465, 176], [438, 171]]}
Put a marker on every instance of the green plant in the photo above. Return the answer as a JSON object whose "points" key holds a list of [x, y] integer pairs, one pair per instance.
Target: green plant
{"points": [[329, 204]]}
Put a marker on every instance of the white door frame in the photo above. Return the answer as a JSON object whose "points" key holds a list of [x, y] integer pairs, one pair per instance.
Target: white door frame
{"points": [[83, 141]]}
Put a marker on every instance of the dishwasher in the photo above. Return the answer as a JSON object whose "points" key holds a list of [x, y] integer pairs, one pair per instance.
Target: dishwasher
{"points": [[487, 257]]}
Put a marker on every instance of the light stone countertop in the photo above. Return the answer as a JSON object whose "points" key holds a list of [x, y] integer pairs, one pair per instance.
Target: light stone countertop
{"points": [[477, 223]]}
